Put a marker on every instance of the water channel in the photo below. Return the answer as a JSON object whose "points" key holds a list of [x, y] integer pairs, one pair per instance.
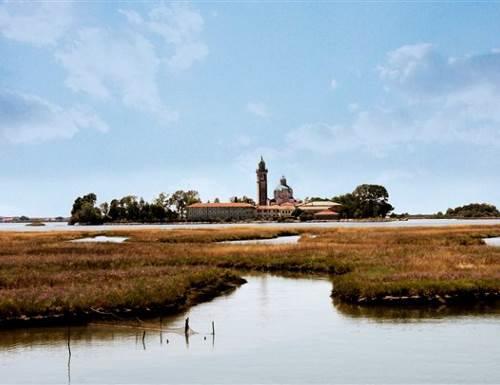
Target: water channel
{"points": [[271, 330]]}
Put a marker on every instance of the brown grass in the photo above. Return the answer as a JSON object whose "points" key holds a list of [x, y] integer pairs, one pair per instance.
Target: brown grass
{"points": [[43, 273]]}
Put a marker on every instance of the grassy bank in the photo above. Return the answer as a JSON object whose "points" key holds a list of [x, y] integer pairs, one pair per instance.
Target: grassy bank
{"points": [[43, 276]]}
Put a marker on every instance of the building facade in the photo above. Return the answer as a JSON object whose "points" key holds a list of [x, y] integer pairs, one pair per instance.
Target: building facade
{"points": [[210, 212], [275, 212]]}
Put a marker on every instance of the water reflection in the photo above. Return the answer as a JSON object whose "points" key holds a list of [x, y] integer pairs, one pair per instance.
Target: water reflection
{"points": [[299, 337], [396, 314]]}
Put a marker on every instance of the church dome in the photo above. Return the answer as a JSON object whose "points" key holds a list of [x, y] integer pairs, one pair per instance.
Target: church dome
{"points": [[283, 186]]}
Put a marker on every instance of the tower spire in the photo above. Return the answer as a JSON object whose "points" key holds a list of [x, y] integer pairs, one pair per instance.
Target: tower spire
{"points": [[262, 183]]}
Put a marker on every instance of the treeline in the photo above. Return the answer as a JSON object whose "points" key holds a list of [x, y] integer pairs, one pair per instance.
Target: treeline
{"points": [[366, 201], [473, 210], [164, 208]]}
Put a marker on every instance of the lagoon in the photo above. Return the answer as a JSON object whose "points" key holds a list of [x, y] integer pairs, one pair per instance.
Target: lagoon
{"points": [[271, 330], [62, 226]]}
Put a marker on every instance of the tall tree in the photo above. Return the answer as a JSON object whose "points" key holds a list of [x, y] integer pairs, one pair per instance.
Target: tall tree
{"points": [[182, 199], [85, 212]]}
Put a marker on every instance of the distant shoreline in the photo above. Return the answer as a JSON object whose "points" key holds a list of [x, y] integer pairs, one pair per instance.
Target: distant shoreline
{"points": [[355, 223]]}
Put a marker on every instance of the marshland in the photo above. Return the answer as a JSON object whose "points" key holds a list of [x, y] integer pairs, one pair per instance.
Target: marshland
{"points": [[47, 278]]}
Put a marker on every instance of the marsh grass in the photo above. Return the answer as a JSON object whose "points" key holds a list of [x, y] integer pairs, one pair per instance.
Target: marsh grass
{"points": [[43, 273]]}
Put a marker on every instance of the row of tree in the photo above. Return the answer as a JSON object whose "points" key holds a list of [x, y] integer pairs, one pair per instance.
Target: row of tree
{"points": [[473, 210], [164, 208], [366, 201]]}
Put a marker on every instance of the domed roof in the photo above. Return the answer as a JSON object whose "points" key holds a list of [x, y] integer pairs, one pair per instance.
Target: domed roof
{"points": [[283, 186]]}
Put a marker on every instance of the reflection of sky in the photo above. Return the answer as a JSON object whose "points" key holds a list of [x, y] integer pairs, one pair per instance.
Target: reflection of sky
{"points": [[492, 241], [270, 330]]}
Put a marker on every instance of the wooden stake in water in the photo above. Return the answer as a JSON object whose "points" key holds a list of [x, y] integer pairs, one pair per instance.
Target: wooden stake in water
{"points": [[213, 328], [186, 327]]}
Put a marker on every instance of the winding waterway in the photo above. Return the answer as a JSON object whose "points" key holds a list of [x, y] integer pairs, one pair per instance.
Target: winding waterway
{"points": [[271, 330]]}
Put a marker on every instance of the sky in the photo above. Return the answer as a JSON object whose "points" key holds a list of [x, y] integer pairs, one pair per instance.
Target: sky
{"points": [[121, 98]]}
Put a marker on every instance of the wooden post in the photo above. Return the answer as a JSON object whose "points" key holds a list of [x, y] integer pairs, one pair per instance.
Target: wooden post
{"points": [[161, 331], [186, 327], [213, 328]]}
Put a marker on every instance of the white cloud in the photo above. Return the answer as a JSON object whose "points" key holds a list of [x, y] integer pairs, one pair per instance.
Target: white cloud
{"points": [[258, 109], [29, 118], [430, 99], [333, 84], [37, 23], [107, 65], [114, 64], [132, 16], [125, 64], [404, 62], [180, 26]]}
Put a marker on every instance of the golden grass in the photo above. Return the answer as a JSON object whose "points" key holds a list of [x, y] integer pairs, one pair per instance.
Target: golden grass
{"points": [[43, 273]]}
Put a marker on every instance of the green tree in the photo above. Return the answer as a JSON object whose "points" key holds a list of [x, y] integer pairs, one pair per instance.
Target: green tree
{"points": [[182, 199], [85, 212], [243, 199], [474, 210], [366, 201]]}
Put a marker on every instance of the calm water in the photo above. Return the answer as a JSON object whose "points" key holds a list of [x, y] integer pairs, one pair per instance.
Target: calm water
{"points": [[100, 239], [291, 239], [409, 223], [271, 330], [492, 241]]}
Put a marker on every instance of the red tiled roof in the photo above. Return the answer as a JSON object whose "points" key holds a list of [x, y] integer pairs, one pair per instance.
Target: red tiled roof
{"points": [[326, 212], [227, 205]]}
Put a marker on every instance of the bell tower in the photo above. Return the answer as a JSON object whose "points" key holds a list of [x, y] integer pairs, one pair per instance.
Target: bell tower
{"points": [[262, 183]]}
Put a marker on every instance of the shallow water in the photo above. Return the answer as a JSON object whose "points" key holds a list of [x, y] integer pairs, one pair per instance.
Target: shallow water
{"points": [[59, 226], [271, 330], [290, 239], [492, 241], [100, 239]]}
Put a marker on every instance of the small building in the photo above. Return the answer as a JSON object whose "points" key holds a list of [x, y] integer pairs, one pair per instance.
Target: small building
{"points": [[275, 212], [208, 212], [326, 215], [314, 207]]}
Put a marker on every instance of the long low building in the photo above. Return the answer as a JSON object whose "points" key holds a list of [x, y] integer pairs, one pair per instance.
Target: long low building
{"points": [[207, 212], [314, 207], [275, 212]]}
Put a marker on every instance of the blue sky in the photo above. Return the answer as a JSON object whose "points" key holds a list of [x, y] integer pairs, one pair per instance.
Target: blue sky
{"points": [[138, 98]]}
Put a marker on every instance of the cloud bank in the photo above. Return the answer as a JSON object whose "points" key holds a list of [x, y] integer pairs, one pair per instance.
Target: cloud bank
{"points": [[30, 119], [430, 98], [37, 23], [106, 65]]}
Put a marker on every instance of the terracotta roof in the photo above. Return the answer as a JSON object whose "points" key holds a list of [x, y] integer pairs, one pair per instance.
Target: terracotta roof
{"points": [[326, 212], [227, 205], [320, 203]]}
